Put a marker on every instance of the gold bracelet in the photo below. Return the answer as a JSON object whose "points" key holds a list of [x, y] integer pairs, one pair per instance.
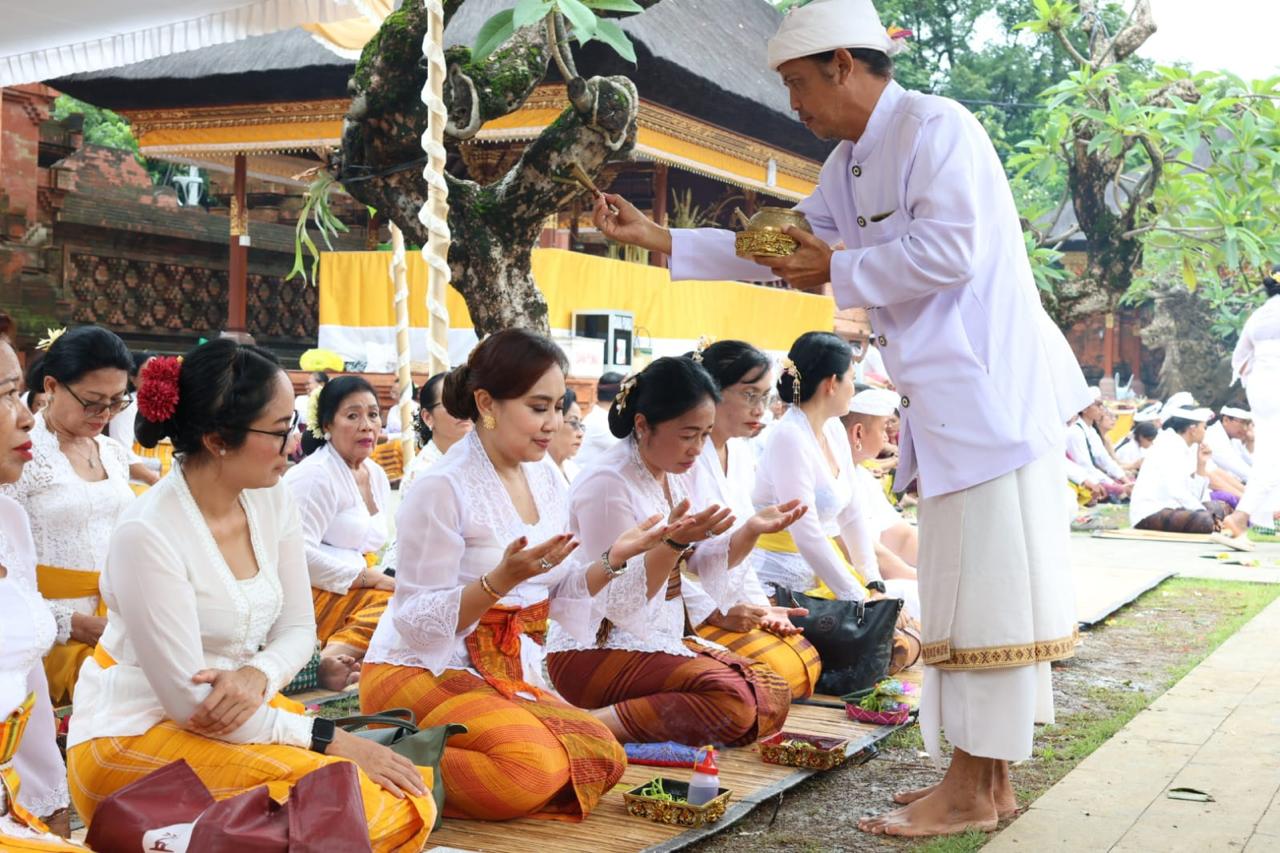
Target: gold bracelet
{"points": [[488, 587]]}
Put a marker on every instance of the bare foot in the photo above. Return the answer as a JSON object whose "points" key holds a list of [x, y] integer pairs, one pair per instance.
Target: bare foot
{"points": [[1002, 792], [903, 798], [933, 814], [1006, 802], [337, 672]]}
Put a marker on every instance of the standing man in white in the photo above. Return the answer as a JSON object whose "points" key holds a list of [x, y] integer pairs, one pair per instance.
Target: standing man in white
{"points": [[919, 199]]}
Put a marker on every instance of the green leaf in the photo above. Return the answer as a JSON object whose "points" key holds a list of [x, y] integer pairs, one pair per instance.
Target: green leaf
{"points": [[614, 5], [611, 34], [583, 19], [530, 12], [495, 31]]}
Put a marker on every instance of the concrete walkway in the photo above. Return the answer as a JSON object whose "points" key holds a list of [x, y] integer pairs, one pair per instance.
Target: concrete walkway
{"points": [[1217, 730]]}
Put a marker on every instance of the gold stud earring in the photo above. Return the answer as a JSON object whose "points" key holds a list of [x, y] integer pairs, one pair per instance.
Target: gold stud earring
{"points": [[488, 421]]}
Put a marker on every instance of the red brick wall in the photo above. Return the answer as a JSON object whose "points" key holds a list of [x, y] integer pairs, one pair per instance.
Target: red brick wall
{"points": [[22, 109]]}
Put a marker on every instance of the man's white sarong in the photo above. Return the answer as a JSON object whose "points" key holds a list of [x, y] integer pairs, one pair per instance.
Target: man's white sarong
{"points": [[998, 607]]}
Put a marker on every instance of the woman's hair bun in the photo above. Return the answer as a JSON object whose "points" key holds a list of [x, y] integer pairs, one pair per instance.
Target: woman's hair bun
{"points": [[458, 396]]}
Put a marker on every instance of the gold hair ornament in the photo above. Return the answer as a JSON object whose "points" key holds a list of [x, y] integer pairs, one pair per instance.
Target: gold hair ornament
{"points": [[624, 391], [789, 366], [703, 342]]}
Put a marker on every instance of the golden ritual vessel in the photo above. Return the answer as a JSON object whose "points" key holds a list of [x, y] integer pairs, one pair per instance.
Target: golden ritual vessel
{"points": [[762, 234]]}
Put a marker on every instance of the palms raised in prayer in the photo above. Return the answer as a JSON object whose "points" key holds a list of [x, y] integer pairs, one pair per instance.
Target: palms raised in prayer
{"points": [[645, 536], [773, 519]]}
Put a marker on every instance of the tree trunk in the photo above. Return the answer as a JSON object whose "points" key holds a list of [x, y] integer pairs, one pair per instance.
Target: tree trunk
{"points": [[494, 226]]}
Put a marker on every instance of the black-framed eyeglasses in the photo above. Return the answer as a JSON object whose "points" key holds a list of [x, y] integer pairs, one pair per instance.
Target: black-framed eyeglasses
{"points": [[283, 436], [92, 410]]}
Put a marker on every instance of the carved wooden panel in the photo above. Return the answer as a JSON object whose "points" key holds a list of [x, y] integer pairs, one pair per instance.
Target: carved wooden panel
{"points": [[137, 295]]}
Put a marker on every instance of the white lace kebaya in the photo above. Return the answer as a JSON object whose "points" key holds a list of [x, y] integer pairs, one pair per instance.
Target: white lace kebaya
{"points": [[336, 523], [453, 526], [175, 608], [610, 498], [71, 518], [26, 633]]}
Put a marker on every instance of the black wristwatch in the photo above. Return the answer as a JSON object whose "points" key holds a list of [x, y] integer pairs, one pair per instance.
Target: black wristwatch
{"points": [[322, 731], [877, 586]]}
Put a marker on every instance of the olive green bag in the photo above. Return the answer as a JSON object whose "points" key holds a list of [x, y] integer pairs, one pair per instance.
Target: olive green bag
{"points": [[397, 730]]}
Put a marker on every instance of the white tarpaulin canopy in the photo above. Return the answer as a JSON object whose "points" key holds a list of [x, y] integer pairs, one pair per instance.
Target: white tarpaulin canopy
{"points": [[54, 38]]}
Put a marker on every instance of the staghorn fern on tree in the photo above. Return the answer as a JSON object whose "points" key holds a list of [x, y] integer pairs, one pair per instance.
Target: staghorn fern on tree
{"points": [[495, 225]]}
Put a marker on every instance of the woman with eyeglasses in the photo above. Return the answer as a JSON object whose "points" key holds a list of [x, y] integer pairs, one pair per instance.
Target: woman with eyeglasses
{"points": [[567, 441], [437, 430], [74, 489], [211, 613], [726, 471], [343, 495]]}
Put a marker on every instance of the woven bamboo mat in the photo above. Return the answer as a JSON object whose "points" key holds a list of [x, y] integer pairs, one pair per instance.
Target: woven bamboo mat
{"points": [[1151, 535], [611, 829]]}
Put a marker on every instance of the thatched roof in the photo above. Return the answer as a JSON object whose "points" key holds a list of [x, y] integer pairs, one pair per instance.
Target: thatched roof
{"points": [[705, 58]]}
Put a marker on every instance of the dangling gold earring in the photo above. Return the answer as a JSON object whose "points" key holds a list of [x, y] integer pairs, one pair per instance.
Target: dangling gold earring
{"points": [[488, 421], [857, 445]]}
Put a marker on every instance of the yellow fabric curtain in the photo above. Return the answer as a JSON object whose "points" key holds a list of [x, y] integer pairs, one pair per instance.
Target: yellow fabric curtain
{"points": [[355, 292]]}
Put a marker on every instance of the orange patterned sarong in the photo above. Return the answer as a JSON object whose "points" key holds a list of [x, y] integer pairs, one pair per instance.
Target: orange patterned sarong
{"points": [[521, 756], [349, 619], [794, 658]]}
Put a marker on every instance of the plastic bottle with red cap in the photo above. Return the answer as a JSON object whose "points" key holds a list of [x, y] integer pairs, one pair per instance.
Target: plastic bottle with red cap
{"points": [[705, 784]]}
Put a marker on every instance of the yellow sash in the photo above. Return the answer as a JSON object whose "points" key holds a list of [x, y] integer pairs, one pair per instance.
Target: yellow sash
{"points": [[104, 659], [62, 663], [69, 583], [782, 542]]}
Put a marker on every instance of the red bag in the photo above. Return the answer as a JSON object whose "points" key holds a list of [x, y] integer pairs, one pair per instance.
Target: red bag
{"points": [[171, 796], [324, 812]]}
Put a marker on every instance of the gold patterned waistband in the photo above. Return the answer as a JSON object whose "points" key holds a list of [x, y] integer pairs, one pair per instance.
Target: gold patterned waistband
{"points": [[943, 656]]}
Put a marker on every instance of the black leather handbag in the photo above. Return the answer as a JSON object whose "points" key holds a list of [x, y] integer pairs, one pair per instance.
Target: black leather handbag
{"points": [[853, 638]]}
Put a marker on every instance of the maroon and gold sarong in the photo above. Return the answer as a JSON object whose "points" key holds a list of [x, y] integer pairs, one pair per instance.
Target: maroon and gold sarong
{"points": [[714, 697]]}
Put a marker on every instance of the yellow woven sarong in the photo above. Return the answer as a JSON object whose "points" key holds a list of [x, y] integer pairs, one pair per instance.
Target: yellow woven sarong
{"points": [[783, 543], [62, 663], [98, 768]]}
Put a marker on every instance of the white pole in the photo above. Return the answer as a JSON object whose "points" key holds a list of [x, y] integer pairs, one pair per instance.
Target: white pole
{"points": [[400, 278], [435, 213]]}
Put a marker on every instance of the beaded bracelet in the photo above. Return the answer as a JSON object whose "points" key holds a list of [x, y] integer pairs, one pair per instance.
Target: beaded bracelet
{"points": [[488, 587]]}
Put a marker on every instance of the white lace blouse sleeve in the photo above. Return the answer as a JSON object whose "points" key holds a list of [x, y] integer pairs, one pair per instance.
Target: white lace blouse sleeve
{"points": [[39, 763], [722, 583], [318, 502], [600, 510], [1242, 356], [292, 639], [791, 461], [157, 606], [429, 550]]}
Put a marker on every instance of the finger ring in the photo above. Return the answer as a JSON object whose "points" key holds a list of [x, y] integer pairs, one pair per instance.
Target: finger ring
{"points": [[547, 565]]}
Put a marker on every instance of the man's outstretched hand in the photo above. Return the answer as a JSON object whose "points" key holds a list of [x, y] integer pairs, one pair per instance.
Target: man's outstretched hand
{"points": [[808, 267], [626, 224]]}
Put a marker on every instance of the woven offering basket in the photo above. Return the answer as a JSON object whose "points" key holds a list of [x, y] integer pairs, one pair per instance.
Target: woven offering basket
{"points": [[819, 753], [877, 718], [676, 813]]}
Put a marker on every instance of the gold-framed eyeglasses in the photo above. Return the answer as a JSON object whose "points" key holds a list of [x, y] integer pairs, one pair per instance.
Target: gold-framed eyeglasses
{"points": [[92, 410], [753, 398]]}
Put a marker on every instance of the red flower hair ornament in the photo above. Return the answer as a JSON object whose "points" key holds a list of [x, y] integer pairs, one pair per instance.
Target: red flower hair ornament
{"points": [[158, 388]]}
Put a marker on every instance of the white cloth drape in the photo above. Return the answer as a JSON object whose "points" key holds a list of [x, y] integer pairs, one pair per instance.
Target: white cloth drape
{"points": [[42, 41]]}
